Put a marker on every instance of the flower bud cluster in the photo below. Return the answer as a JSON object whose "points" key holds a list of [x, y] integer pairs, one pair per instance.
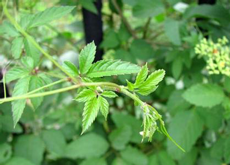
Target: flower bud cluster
{"points": [[217, 55]]}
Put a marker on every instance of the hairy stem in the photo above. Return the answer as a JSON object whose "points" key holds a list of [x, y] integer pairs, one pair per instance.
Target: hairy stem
{"points": [[47, 86]]}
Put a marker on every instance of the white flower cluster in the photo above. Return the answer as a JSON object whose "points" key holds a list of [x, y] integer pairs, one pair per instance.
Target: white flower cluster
{"points": [[217, 55]]}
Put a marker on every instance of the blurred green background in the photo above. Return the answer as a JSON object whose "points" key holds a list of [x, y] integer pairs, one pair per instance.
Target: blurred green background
{"points": [[160, 32]]}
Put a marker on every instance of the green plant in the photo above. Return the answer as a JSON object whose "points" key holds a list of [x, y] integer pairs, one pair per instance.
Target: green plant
{"points": [[93, 93]]}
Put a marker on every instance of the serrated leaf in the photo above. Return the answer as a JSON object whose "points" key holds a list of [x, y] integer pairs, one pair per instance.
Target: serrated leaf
{"points": [[112, 67], [87, 146], [28, 62], [85, 95], [86, 57], [185, 128], [109, 94], [49, 15], [32, 51], [35, 83], [16, 73], [104, 106], [70, 68], [16, 47], [9, 29], [142, 75], [154, 78], [146, 90], [150, 85], [21, 87], [205, 95], [89, 113]]}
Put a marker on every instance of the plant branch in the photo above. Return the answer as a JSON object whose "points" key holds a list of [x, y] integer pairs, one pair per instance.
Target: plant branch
{"points": [[146, 27], [47, 86], [124, 19], [25, 34]]}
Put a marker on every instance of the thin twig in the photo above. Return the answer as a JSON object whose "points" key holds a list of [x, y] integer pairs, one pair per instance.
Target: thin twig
{"points": [[145, 31], [132, 32]]}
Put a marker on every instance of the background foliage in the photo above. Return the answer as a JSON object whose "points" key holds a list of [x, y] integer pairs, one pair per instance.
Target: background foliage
{"points": [[194, 104]]}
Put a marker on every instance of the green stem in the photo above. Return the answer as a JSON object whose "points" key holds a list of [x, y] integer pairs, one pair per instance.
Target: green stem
{"points": [[4, 85], [28, 96], [47, 86], [47, 55]]}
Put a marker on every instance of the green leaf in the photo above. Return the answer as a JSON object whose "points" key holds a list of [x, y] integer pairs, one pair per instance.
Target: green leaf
{"points": [[110, 40], [189, 158], [89, 113], [49, 15], [5, 152], [21, 87], [120, 137], [104, 106], [150, 85], [55, 142], [227, 150], [16, 73], [142, 75], [109, 94], [87, 146], [216, 12], [148, 8], [185, 128], [86, 57], [35, 83], [176, 102], [70, 68], [89, 5], [121, 119], [213, 118], [165, 159], [9, 29], [30, 147], [28, 62], [85, 95], [94, 161], [134, 156], [32, 51], [18, 161], [16, 47], [120, 161], [112, 67], [142, 50], [172, 31], [205, 95], [177, 67]]}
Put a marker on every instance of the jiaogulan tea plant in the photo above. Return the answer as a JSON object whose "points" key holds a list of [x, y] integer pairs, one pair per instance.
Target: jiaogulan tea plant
{"points": [[32, 85]]}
